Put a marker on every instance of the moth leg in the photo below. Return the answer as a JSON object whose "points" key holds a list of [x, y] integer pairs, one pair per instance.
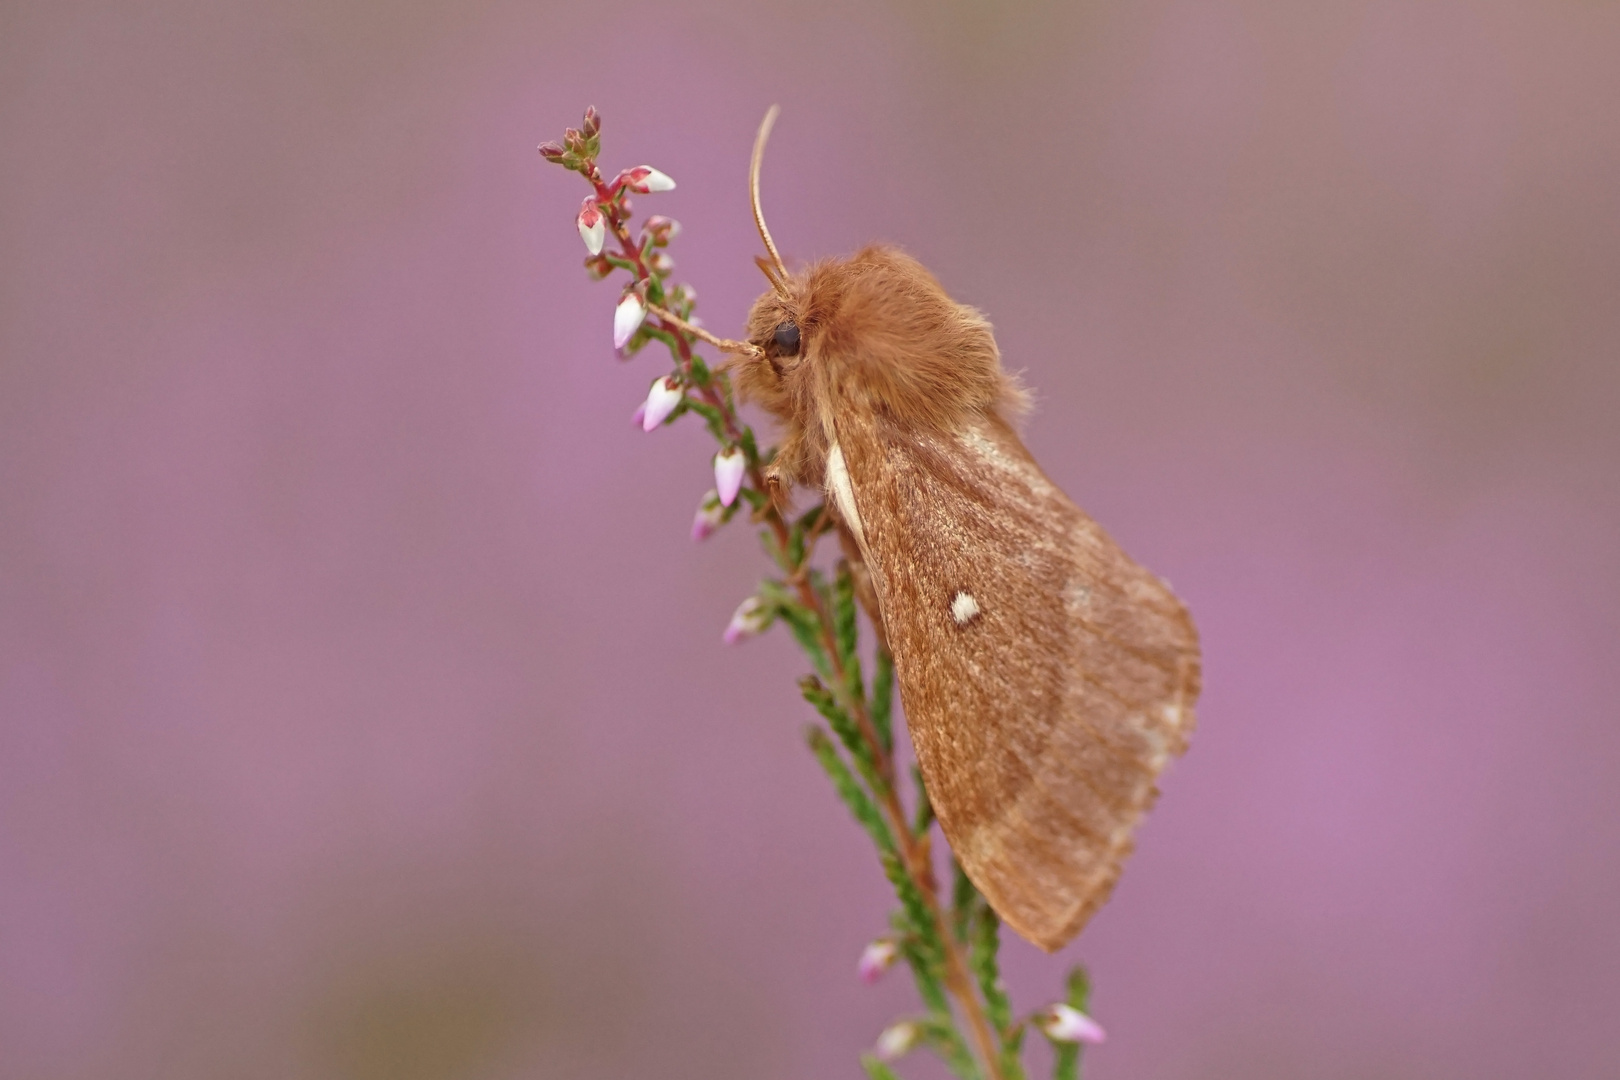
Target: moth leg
{"points": [[864, 591], [776, 488]]}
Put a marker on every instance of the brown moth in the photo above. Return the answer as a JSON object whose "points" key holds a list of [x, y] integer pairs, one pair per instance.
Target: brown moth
{"points": [[1046, 677]]}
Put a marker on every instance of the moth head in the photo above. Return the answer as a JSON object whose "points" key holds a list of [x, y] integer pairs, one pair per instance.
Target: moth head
{"points": [[875, 331]]}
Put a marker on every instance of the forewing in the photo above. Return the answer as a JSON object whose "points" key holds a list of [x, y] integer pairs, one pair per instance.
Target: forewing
{"points": [[1046, 677]]}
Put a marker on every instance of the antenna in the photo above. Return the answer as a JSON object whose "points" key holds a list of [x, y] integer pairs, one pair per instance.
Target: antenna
{"points": [[778, 279]]}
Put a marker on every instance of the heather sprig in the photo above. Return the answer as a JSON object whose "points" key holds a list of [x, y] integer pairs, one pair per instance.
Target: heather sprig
{"points": [[950, 942]]}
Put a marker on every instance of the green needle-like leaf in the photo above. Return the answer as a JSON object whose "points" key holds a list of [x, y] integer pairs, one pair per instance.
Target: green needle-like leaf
{"points": [[876, 1069], [845, 631], [883, 698], [964, 901], [849, 789], [924, 818], [982, 957], [845, 728]]}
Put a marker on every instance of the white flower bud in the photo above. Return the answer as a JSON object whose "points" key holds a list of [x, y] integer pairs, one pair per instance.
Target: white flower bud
{"points": [[876, 958], [592, 227], [645, 179], [627, 318], [750, 618], [897, 1040], [710, 516], [729, 466], [665, 394], [1065, 1023]]}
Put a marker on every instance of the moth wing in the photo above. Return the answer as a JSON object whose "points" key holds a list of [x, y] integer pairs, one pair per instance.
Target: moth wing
{"points": [[1046, 677]]}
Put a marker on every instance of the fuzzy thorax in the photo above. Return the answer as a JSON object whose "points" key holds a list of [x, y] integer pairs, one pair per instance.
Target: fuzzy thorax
{"points": [[877, 334]]}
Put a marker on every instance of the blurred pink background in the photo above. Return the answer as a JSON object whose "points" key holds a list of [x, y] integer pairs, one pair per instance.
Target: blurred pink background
{"points": [[363, 711]]}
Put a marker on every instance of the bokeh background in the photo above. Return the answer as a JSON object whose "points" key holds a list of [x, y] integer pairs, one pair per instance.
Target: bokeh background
{"points": [[363, 711]]}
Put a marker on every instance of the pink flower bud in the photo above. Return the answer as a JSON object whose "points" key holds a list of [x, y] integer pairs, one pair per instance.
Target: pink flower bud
{"points": [[593, 122], [660, 263], [665, 394], [592, 226], [639, 415], [1065, 1023], [729, 466], [551, 151], [661, 230], [710, 516], [897, 1040], [644, 179], [627, 318], [876, 958], [749, 619]]}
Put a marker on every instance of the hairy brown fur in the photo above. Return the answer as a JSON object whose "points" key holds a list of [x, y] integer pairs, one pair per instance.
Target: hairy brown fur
{"points": [[1042, 713], [885, 339]]}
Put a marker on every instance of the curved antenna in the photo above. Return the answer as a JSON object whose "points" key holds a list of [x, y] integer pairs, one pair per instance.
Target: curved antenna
{"points": [[778, 279]]}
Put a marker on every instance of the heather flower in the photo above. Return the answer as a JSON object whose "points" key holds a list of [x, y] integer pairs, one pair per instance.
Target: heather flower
{"points": [[710, 516], [875, 959], [897, 1040], [627, 318], [661, 230], [665, 394], [1067, 1024], [750, 618], [729, 466], [644, 179], [592, 226]]}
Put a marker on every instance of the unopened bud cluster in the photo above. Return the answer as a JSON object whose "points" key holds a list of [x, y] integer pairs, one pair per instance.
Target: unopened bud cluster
{"points": [[579, 146]]}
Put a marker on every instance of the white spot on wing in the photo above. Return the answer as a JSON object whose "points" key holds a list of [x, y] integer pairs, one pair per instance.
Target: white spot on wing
{"points": [[843, 493], [964, 608]]}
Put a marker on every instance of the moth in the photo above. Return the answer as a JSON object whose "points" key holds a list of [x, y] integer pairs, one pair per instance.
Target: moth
{"points": [[1046, 677]]}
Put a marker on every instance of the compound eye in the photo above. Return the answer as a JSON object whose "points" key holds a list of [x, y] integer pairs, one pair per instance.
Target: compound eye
{"points": [[787, 338]]}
